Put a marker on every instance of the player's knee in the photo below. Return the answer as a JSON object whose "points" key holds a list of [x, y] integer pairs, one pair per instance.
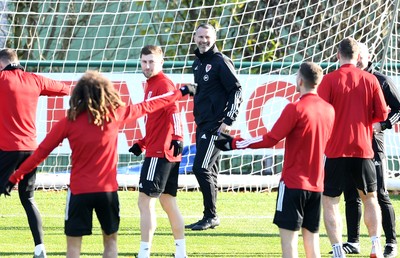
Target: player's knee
{"points": [[26, 196], [26, 202]]}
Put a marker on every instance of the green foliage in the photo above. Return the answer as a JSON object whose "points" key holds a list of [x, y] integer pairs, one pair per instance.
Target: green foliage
{"points": [[250, 32], [92, 30], [246, 228]]}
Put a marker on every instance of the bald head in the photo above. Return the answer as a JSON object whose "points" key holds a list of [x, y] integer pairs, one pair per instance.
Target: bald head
{"points": [[364, 57]]}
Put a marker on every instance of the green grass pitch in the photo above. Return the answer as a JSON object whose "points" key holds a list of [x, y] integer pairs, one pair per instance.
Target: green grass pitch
{"points": [[246, 228]]}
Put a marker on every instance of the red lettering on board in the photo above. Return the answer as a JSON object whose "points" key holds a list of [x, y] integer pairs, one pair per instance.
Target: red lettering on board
{"points": [[255, 125]]}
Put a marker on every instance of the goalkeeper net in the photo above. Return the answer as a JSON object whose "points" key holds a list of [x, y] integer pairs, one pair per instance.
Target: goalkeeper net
{"points": [[266, 40]]}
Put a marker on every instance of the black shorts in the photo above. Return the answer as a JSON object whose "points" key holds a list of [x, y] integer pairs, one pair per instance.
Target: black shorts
{"points": [[296, 208], [79, 213], [9, 162], [338, 170], [158, 175]]}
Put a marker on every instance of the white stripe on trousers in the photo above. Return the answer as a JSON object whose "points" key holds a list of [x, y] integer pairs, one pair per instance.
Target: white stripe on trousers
{"points": [[152, 169], [281, 194], [67, 206], [210, 150]]}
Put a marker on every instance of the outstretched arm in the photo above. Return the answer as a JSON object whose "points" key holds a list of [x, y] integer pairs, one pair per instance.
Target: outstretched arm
{"points": [[153, 104], [51, 87], [280, 130], [227, 142], [51, 141]]}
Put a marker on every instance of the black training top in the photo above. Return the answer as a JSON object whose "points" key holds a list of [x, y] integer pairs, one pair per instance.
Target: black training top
{"points": [[219, 93], [392, 98]]}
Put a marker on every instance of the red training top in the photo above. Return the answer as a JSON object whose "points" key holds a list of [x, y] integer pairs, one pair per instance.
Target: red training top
{"points": [[359, 102], [94, 148], [307, 125], [19, 96], [164, 125]]}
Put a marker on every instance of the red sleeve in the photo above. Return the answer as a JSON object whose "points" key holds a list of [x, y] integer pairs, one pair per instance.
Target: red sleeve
{"points": [[135, 111], [50, 142], [142, 143], [51, 87], [149, 105], [173, 123], [177, 126], [283, 126], [163, 86]]}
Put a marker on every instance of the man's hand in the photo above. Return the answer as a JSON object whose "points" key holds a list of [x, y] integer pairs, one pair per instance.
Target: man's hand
{"points": [[189, 89], [178, 147], [135, 149], [377, 127], [224, 143], [224, 128], [6, 189]]}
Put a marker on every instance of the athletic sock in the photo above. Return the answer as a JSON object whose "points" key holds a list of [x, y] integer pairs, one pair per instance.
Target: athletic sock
{"points": [[40, 248], [338, 251], [180, 248], [376, 246], [144, 250]]}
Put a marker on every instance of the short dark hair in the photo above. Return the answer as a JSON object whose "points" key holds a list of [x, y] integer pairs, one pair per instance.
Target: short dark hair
{"points": [[206, 26], [348, 48], [8, 55], [151, 49], [311, 73]]}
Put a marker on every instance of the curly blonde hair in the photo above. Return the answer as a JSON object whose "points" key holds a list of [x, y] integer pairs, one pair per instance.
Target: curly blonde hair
{"points": [[95, 94]]}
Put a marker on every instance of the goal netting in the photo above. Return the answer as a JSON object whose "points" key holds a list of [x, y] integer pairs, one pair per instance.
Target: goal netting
{"points": [[267, 40]]}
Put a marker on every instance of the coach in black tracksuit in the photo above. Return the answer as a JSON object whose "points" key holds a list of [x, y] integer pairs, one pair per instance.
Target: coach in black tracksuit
{"points": [[216, 104], [353, 202]]}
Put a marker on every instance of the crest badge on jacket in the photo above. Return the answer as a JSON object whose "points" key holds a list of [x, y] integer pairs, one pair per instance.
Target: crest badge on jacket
{"points": [[208, 68]]}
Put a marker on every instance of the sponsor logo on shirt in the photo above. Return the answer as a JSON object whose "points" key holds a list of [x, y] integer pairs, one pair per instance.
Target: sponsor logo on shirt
{"points": [[203, 136], [205, 78]]}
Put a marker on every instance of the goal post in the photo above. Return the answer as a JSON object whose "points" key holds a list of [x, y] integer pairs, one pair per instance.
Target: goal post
{"points": [[266, 40]]}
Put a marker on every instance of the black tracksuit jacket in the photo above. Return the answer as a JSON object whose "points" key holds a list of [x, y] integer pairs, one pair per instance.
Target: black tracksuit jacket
{"points": [[392, 99], [219, 93]]}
